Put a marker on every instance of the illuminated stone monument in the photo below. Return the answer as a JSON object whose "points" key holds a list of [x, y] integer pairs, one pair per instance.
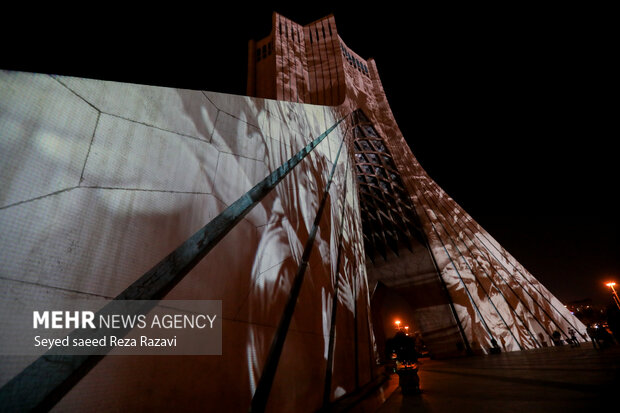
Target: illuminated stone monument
{"points": [[466, 292], [300, 208]]}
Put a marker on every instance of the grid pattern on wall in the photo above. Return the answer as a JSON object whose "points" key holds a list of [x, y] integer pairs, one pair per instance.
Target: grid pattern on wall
{"points": [[389, 220]]}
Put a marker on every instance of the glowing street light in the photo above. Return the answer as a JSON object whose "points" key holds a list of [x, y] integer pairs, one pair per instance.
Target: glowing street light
{"points": [[397, 322], [614, 293]]}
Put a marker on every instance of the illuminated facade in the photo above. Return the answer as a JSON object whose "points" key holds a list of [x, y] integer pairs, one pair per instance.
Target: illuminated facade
{"points": [[322, 218], [468, 294]]}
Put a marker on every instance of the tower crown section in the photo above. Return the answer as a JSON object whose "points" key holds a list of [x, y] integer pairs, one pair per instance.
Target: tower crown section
{"points": [[308, 64]]}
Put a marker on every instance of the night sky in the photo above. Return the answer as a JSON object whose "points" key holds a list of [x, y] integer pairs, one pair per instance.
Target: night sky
{"points": [[509, 110]]}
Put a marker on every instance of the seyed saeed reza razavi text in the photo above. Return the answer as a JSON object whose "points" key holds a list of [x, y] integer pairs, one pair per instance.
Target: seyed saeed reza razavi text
{"points": [[88, 320]]}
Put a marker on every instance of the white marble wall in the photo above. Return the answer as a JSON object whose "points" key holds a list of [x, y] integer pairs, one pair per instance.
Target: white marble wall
{"points": [[494, 296], [101, 180]]}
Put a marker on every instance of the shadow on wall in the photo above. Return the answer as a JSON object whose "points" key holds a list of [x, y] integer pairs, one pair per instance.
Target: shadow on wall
{"points": [[251, 271]]}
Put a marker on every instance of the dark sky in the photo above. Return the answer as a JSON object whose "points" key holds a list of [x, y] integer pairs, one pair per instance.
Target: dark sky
{"points": [[508, 109]]}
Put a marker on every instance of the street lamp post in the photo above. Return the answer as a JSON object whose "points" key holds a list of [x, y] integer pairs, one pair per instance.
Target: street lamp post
{"points": [[614, 293]]}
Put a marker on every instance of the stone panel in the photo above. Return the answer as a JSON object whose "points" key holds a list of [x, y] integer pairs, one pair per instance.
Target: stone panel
{"points": [[182, 111], [127, 154], [46, 135]]}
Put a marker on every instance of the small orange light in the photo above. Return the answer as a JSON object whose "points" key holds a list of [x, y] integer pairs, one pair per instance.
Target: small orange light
{"points": [[397, 322], [406, 327], [610, 284]]}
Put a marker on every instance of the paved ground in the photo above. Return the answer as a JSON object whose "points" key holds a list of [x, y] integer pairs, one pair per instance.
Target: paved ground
{"points": [[558, 379]]}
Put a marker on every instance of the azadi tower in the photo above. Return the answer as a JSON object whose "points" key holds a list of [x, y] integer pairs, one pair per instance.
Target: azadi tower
{"points": [[300, 207]]}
